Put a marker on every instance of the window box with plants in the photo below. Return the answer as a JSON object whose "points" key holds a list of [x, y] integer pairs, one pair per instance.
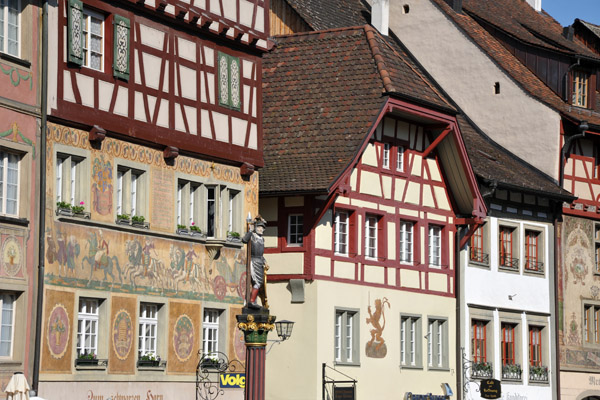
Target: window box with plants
{"points": [[123, 219], [79, 211], [148, 360], [182, 230], [482, 370], [196, 231], [211, 362], [139, 221], [234, 237], [538, 374], [86, 359], [511, 372], [63, 208]]}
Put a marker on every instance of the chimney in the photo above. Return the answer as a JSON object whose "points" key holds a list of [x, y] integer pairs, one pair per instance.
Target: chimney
{"points": [[568, 32], [380, 15], [457, 5], [536, 4]]}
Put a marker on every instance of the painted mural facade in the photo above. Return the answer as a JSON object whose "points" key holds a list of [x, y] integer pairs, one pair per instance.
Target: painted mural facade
{"points": [[123, 266], [20, 119]]}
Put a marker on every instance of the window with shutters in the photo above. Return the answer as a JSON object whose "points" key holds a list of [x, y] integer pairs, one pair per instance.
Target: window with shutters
{"points": [[87, 38], [10, 27], [229, 81]]}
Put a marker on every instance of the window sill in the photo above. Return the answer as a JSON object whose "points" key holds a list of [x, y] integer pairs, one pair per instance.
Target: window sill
{"points": [[14, 220], [161, 366], [509, 269], [15, 60], [438, 368], [91, 365], [347, 364], [411, 366], [479, 264]]}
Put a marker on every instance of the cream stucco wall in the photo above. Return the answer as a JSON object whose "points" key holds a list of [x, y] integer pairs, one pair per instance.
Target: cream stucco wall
{"points": [[294, 366], [512, 118]]}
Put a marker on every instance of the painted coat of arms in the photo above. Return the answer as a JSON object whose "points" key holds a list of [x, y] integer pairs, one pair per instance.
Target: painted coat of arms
{"points": [[122, 334], [183, 337], [58, 331], [102, 186]]}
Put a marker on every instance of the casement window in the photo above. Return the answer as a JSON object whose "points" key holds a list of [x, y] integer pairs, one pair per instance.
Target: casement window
{"points": [[410, 341], [7, 324], [591, 324], [535, 346], [210, 331], [229, 81], [406, 241], [341, 236], [435, 245], [507, 239], [479, 341], [346, 341], [130, 191], [437, 343], [210, 208], [148, 329], [188, 200], [533, 251], [580, 88], [371, 228], [386, 156], [477, 250], [86, 39], [9, 183], [70, 178], [508, 344], [295, 235], [10, 27], [400, 159], [87, 326]]}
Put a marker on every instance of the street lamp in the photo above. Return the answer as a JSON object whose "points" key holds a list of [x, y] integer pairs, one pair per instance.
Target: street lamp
{"points": [[284, 329]]}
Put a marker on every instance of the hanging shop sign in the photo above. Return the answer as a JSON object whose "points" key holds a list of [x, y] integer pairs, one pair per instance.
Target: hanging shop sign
{"points": [[232, 381], [490, 389]]}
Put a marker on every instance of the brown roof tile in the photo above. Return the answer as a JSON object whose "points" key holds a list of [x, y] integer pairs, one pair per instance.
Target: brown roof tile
{"points": [[330, 14], [322, 92]]}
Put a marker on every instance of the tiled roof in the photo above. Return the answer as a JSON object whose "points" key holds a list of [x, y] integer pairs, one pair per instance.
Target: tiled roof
{"points": [[595, 29], [322, 92], [492, 162], [519, 20], [514, 68], [330, 14]]}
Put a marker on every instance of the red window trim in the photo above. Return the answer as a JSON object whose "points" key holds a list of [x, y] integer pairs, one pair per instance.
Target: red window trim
{"points": [[506, 237], [508, 330], [477, 340], [535, 331], [476, 253]]}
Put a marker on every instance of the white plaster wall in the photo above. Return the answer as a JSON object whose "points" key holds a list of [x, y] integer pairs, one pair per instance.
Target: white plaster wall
{"points": [[512, 118], [293, 373]]}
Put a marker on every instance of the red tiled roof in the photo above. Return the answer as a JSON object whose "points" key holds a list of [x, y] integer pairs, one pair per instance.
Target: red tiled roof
{"points": [[322, 92], [519, 20]]}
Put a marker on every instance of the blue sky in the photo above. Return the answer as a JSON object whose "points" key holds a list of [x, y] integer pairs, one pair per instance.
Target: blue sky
{"points": [[565, 11]]}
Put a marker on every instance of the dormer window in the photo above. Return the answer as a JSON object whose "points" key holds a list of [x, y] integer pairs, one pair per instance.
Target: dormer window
{"points": [[580, 93]]}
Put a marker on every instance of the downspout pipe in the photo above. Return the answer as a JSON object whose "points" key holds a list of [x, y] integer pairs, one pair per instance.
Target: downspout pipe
{"points": [[42, 202]]}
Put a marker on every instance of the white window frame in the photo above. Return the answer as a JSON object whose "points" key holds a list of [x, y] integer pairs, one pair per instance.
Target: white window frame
{"points": [[215, 215], [88, 316], [295, 233], [400, 158], [69, 178], [410, 341], [371, 239], [4, 9], [342, 232], [437, 344], [86, 22], [386, 156], [211, 331], [188, 199], [406, 241], [148, 329], [346, 340], [435, 245], [4, 160], [8, 303], [130, 191]]}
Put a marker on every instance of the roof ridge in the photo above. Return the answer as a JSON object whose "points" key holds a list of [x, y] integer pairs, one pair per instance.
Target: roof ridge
{"points": [[379, 60]]}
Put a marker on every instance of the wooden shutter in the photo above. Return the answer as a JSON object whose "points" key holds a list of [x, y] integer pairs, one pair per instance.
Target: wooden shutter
{"points": [[234, 82], [75, 31], [223, 79], [121, 44]]}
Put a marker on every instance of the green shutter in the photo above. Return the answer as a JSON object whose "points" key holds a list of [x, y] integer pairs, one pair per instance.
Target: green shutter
{"points": [[223, 79], [234, 83], [75, 31], [121, 45]]}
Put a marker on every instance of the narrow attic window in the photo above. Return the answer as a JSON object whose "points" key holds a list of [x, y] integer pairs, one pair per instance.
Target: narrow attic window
{"points": [[405, 9], [497, 88]]}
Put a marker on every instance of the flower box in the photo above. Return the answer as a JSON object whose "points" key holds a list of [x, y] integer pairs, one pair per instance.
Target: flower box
{"points": [[148, 363], [182, 231], [140, 224], [66, 212], [210, 364]]}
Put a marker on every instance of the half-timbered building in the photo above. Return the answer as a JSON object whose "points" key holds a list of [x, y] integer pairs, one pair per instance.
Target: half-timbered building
{"points": [[153, 138], [365, 185], [20, 122]]}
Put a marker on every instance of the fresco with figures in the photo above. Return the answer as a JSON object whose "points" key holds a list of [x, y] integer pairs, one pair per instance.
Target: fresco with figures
{"points": [[580, 284]]}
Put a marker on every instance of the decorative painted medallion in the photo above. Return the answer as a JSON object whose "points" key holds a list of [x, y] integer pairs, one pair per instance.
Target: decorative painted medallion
{"points": [[183, 337], [58, 331], [579, 255], [122, 334], [11, 256], [376, 347]]}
